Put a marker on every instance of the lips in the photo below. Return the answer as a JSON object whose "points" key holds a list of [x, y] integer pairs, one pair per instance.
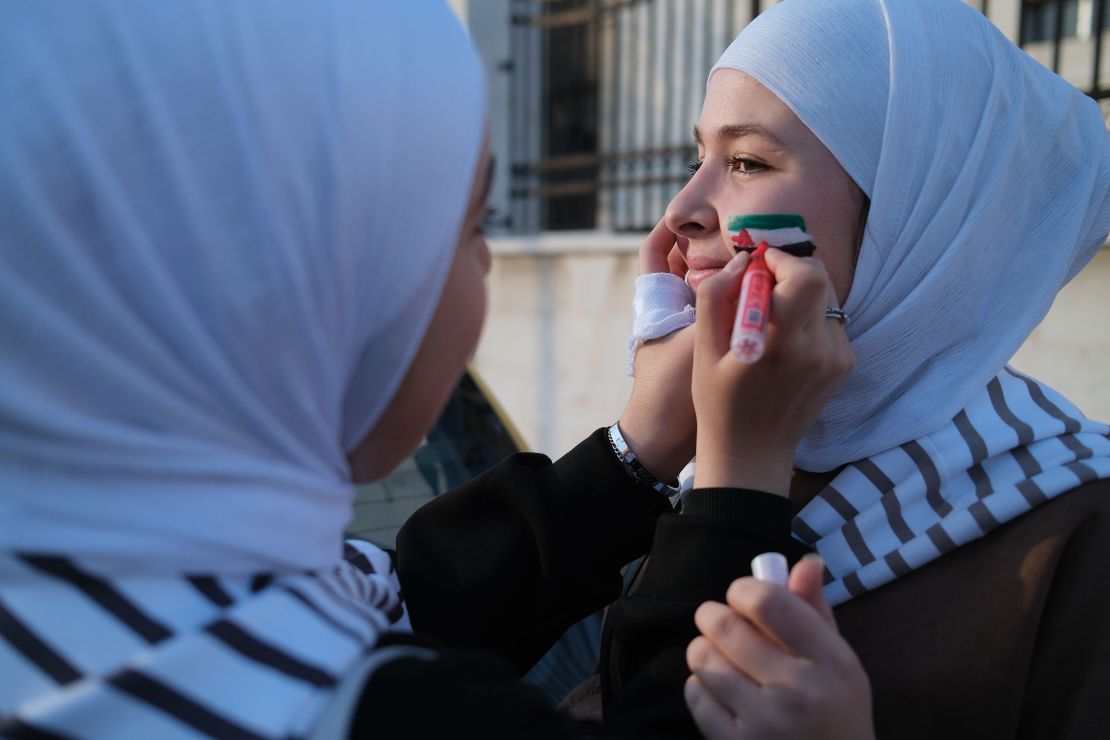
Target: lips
{"points": [[694, 278], [701, 269]]}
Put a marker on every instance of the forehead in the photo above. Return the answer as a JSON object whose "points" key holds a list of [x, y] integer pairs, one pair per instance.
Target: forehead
{"points": [[734, 98]]}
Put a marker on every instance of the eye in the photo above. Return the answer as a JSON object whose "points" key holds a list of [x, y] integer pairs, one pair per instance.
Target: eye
{"points": [[693, 167], [745, 165]]}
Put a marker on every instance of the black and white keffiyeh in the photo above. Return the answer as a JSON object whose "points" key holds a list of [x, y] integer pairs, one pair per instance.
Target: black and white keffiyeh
{"points": [[86, 654], [1018, 445]]}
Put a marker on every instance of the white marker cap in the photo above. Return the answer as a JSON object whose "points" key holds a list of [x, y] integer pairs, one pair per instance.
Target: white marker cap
{"points": [[770, 567]]}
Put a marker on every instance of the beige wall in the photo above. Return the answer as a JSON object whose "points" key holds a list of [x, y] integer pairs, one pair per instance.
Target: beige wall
{"points": [[553, 346], [1070, 350], [553, 350]]}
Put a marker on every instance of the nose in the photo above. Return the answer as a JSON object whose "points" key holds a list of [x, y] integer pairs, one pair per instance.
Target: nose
{"points": [[691, 213]]}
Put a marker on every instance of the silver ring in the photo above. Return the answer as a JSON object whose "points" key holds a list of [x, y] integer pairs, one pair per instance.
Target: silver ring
{"points": [[838, 314]]}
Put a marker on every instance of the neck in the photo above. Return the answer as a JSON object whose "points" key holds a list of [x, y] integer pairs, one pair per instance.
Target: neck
{"points": [[805, 485]]}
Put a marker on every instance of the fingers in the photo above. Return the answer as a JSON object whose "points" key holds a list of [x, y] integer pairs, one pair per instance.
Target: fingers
{"points": [[806, 580], [802, 287], [782, 617], [712, 719], [798, 325], [656, 249], [729, 643], [718, 675], [717, 298], [676, 263]]}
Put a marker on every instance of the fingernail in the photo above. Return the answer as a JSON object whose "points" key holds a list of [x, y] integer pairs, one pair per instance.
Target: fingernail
{"points": [[814, 557]]}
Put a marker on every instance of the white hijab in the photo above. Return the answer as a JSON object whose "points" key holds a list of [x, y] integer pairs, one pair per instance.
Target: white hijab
{"points": [[223, 228], [989, 180]]}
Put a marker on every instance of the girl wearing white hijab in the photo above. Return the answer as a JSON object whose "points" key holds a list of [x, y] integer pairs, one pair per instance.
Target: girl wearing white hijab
{"points": [[962, 510], [240, 269]]}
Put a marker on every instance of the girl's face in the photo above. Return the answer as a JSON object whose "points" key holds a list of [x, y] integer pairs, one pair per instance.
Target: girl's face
{"points": [[755, 156], [447, 346]]}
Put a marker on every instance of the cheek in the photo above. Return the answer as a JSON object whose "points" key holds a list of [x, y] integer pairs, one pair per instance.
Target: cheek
{"points": [[835, 232], [830, 203]]}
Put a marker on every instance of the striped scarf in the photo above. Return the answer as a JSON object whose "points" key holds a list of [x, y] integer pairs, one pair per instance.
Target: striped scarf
{"points": [[89, 655], [1016, 446]]}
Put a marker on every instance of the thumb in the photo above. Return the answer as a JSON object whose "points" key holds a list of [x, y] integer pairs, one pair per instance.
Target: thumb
{"points": [[806, 580], [676, 263], [717, 298]]}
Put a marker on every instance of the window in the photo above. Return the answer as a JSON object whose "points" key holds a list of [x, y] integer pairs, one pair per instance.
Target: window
{"points": [[1078, 18], [605, 93], [1067, 36]]}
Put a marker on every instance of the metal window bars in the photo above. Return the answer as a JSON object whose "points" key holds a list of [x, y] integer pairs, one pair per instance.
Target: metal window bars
{"points": [[1069, 37], [602, 140], [604, 94]]}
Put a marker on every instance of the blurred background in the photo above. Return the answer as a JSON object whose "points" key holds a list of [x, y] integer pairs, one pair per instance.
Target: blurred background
{"points": [[591, 108]]}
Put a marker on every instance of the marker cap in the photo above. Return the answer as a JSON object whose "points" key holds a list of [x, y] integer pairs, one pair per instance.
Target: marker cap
{"points": [[771, 567]]}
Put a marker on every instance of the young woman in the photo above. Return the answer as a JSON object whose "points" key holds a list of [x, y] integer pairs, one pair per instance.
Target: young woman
{"points": [[952, 186]]}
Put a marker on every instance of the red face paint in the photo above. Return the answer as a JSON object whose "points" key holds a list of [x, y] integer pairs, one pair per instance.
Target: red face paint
{"points": [[749, 332]]}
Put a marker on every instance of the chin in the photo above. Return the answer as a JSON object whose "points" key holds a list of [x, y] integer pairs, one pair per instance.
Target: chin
{"points": [[385, 448]]}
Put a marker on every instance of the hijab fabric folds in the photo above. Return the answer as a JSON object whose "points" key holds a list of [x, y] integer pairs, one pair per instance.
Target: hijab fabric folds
{"points": [[224, 230], [989, 180]]}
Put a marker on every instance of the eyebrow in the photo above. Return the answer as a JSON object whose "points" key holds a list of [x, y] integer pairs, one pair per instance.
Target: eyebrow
{"points": [[738, 130]]}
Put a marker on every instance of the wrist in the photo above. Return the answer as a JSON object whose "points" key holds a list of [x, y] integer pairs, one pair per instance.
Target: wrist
{"points": [[716, 469], [634, 466], [661, 455]]}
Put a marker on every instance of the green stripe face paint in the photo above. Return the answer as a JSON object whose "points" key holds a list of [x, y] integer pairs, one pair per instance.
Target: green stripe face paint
{"points": [[780, 230]]}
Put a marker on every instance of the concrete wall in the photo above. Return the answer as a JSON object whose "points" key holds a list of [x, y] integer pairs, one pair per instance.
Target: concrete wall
{"points": [[553, 350], [553, 347], [1070, 350]]}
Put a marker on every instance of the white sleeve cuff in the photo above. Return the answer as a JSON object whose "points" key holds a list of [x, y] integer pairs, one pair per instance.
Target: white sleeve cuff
{"points": [[663, 304]]}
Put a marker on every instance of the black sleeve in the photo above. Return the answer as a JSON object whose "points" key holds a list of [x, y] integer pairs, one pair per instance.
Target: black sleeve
{"points": [[694, 558], [508, 562], [513, 558], [460, 693]]}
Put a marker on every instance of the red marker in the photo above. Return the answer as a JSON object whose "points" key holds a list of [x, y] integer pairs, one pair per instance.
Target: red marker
{"points": [[749, 332]]}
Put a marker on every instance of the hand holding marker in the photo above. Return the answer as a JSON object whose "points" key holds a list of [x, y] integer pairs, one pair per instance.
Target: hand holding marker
{"points": [[755, 234]]}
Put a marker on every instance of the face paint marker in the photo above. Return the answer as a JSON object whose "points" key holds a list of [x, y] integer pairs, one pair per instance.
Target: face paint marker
{"points": [[749, 331], [756, 234]]}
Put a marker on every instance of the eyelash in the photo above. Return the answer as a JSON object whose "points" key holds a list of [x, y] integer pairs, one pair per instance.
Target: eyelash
{"points": [[751, 166]]}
